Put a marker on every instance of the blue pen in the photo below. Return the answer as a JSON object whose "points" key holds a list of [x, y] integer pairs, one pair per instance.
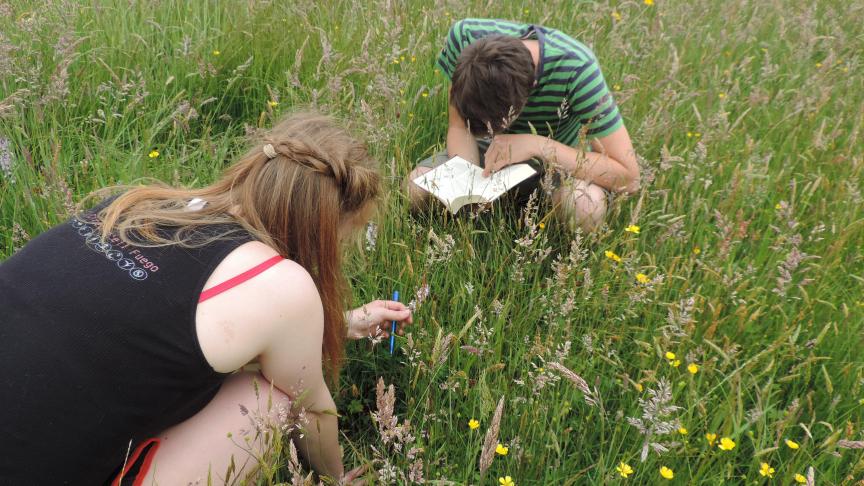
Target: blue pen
{"points": [[393, 324]]}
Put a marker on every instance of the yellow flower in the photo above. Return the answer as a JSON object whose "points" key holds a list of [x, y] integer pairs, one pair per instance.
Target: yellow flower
{"points": [[778, 206], [721, 95], [697, 250], [675, 363], [670, 355], [153, 154], [818, 64], [624, 469], [217, 52], [612, 256], [765, 469], [642, 278], [693, 368], [506, 481], [526, 11], [413, 58], [616, 16], [682, 430], [401, 58], [697, 134], [639, 388], [689, 134], [665, 471], [272, 103], [792, 444], [800, 479], [395, 61], [473, 424], [649, 2], [425, 94], [616, 87], [541, 225], [501, 450], [710, 438], [632, 229], [726, 444]]}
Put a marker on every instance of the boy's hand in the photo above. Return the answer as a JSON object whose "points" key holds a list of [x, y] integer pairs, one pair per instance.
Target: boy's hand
{"points": [[373, 319], [510, 149]]}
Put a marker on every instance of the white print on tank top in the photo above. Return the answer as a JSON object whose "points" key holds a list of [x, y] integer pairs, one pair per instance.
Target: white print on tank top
{"points": [[134, 263]]}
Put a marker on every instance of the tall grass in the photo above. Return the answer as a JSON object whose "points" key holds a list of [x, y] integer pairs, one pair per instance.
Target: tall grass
{"points": [[748, 118]]}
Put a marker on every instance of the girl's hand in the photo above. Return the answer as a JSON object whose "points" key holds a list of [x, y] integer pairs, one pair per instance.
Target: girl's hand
{"points": [[373, 319], [354, 477]]}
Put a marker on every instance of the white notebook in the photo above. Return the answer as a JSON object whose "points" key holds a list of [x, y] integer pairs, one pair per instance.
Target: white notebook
{"points": [[458, 182]]}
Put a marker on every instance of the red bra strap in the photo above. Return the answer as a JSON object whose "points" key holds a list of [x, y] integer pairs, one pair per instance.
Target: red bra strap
{"points": [[145, 466], [234, 281]]}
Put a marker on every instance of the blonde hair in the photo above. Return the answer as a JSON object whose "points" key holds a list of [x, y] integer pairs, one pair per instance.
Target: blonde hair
{"points": [[316, 179]]}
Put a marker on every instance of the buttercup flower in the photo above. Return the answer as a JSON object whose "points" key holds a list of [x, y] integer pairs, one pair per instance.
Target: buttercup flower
{"points": [[632, 229], [667, 473], [616, 16], [272, 104], [726, 444], [217, 52], [624, 469], [612, 256], [501, 450], [682, 430], [506, 481], [710, 438], [792, 444], [670, 355], [473, 424], [642, 278], [675, 363], [697, 250], [800, 479], [765, 469], [153, 154], [649, 2], [693, 368]]}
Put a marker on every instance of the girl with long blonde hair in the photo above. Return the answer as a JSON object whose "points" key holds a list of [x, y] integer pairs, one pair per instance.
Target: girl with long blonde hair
{"points": [[126, 329]]}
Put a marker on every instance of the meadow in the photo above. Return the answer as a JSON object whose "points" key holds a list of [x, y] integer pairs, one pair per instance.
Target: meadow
{"points": [[711, 332]]}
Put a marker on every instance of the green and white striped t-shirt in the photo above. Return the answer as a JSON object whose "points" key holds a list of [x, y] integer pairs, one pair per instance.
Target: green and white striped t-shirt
{"points": [[570, 92]]}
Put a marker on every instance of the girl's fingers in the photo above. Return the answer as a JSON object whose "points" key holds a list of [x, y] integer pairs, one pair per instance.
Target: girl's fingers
{"points": [[394, 305]]}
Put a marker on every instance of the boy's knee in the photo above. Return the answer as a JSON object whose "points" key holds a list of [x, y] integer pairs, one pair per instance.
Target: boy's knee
{"points": [[581, 205]]}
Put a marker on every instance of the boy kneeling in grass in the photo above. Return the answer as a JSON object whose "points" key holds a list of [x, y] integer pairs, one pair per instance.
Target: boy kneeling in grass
{"points": [[508, 78]]}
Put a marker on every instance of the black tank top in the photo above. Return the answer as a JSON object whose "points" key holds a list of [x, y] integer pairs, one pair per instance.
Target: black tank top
{"points": [[98, 350]]}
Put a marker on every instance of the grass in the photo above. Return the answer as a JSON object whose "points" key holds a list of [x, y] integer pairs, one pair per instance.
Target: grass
{"points": [[748, 118]]}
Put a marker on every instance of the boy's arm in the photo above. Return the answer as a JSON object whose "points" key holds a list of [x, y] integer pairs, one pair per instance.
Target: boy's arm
{"points": [[612, 165], [459, 139]]}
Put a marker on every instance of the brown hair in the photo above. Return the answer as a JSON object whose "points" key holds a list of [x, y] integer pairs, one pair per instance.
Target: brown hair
{"points": [[491, 83], [320, 180]]}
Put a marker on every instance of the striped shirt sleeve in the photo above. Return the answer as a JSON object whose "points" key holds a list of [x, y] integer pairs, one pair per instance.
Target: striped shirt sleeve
{"points": [[453, 44], [591, 103]]}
